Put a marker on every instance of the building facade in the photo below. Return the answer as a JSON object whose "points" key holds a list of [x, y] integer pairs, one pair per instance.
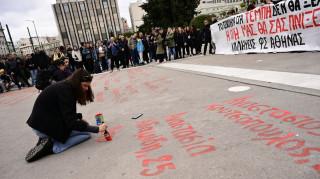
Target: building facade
{"points": [[217, 6], [136, 14], [125, 25], [87, 20], [3, 43], [47, 44]]}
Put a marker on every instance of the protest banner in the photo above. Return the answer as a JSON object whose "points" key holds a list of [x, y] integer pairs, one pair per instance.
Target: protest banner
{"points": [[292, 25]]}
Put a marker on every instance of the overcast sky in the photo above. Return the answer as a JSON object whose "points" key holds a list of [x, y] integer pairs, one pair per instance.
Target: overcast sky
{"points": [[16, 12]]}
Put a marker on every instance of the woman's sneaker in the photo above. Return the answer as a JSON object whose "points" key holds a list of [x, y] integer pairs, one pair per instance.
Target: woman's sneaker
{"points": [[43, 148]]}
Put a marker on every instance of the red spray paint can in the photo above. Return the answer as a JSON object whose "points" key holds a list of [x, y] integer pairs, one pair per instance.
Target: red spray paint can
{"points": [[107, 136]]}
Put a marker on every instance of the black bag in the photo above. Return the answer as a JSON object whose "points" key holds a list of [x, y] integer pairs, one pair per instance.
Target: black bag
{"points": [[43, 79], [97, 68]]}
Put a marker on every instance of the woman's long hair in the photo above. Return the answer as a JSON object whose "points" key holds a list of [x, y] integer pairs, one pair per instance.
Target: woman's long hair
{"points": [[79, 76], [169, 31]]}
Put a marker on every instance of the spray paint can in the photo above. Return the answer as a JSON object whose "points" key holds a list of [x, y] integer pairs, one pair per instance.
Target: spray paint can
{"points": [[99, 119], [107, 136]]}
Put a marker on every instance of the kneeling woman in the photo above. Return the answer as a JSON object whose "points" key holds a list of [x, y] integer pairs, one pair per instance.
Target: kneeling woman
{"points": [[54, 117]]}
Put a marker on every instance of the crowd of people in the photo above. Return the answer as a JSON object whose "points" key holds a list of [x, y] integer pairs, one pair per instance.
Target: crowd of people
{"points": [[139, 49]]}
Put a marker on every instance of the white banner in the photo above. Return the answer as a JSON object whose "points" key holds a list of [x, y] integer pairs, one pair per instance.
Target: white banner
{"points": [[292, 25]]}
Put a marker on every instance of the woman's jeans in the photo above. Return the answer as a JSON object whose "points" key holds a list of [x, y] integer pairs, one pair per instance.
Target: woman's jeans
{"points": [[172, 51], [140, 56], [33, 75], [135, 58], [104, 63], [75, 138]]}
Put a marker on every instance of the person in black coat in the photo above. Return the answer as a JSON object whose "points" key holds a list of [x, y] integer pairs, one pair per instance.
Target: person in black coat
{"points": [[207, 37], [123, 45], [146, 47], [30, 62], [164, 46], [180, 43], [71, 60], [214, 20], [198, 40], [40, 59], [54, 117], [57, 69]]}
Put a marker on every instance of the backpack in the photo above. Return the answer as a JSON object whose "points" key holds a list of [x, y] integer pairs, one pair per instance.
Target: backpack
{"points": [[43, 79]]}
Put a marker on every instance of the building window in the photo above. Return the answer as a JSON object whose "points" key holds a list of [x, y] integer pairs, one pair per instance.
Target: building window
{"points": [[82, 7], [78, 26], [105, 4], [66, 8], [64, 35], [114, 10]]}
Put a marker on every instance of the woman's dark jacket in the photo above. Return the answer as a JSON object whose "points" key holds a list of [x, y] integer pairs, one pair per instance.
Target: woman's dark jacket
{"points": [[54, 112], [180, 39], [57, 74], [207, 32]]}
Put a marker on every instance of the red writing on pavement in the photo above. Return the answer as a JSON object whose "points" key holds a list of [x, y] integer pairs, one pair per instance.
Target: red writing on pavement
{"points": [[273, 135]]}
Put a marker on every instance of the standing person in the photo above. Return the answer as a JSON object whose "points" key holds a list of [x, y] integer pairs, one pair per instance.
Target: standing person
{"points": [[193, 37], [132, 43], [21, 67], [171, 43], [188, 42], [175, 32], [94, 57], [198, 41], [91, 55], [164, 46], [54, 117], [109, 52], [102, 55], [140, 49], [71, 59], [214, 20], [25, 68], [40, 59], [150, 43], [145, 46], [154, 46], [63, 50], [114, 48], [207, 37], [129, 53], [83, 56], [13, 69], [58, 54], [160, 50], [32, 67], [86, 52], [123, 45], [77, 58], [180, 43]]}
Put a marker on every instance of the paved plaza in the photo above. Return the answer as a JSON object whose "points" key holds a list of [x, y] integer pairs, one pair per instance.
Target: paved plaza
{"points": [[219, 116]]}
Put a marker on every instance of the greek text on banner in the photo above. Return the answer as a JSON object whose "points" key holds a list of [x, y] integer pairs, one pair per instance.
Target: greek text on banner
{"points": [[292, 25]]}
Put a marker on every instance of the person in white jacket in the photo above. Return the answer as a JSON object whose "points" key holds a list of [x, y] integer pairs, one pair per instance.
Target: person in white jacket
{"points": [[76, 55]]}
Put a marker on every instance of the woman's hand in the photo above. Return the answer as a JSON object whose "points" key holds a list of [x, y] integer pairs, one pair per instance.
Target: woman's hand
{"points": [[103, 127]]}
